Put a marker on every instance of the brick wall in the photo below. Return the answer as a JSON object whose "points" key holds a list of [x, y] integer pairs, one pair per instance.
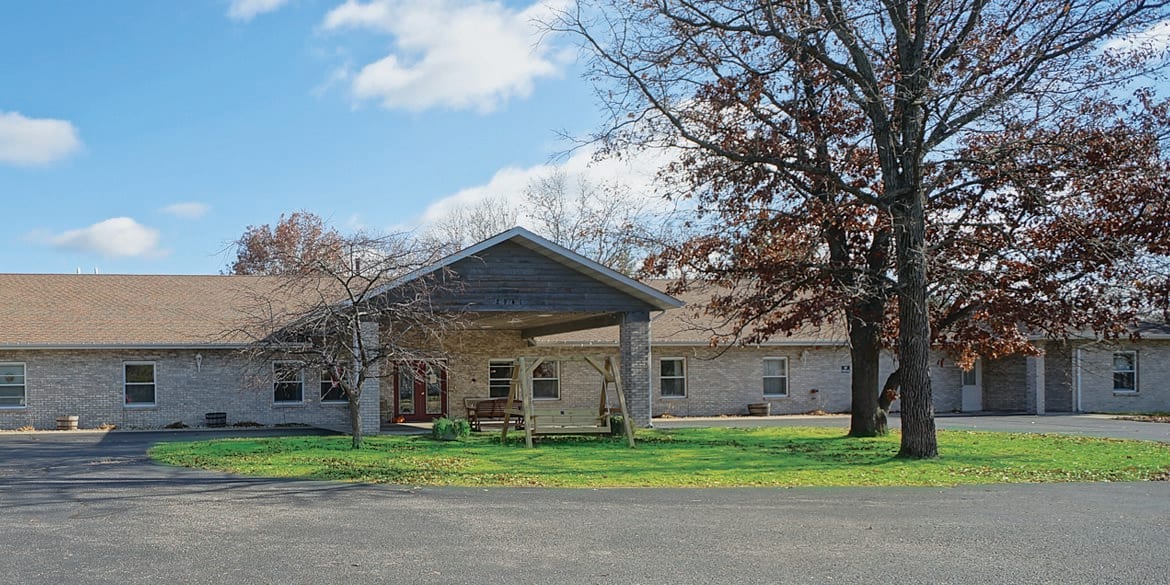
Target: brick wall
{"points": [[716, 383], [1153, 378], [1005, 383], [89, 384]]}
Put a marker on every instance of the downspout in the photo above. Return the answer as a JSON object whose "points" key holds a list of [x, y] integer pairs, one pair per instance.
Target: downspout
{"points": [[650, 368], [1077, 376]]}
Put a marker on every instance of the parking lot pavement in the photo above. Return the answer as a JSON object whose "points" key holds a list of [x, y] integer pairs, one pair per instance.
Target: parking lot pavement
{"points": [[91, 508]]}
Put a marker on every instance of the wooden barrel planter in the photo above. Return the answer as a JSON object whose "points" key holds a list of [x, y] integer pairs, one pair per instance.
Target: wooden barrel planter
{"points": [[67, 423], [760, 409], [216, 419]]}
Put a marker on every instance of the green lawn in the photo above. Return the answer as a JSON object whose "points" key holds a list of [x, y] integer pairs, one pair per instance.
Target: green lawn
{"points": [[682, 458]]}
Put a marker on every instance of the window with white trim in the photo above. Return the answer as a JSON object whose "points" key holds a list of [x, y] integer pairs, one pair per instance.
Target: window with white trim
{"points": [[546, 381], [139, 383], [288, 383], [500, 378], [331, 390], [775, 376], [12, 389], [1125, 371], [672, 377]]}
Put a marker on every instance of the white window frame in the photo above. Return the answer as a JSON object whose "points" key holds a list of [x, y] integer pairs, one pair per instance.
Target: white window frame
{"points": [[300, 368], [23, 386], [557, 378], [1115, 371], [126, 384], [784, 376], [326, 378], [662, 378]]}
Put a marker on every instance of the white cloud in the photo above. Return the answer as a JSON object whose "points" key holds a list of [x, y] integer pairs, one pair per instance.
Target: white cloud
{"points": [[119, 236], [457, 54], [245, 10], [637, 172], [1155, 38], [33, 141], [187, 210]]}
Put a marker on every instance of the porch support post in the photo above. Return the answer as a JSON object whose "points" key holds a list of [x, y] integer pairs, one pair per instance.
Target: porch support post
{"points": [[1035, 384], [370, 400], [634, 341]]}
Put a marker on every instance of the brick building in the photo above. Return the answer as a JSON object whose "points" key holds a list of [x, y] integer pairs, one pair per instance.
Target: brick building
{"points": [[148, 351]]}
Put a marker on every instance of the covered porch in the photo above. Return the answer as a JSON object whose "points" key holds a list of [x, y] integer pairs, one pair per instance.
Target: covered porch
{"points": [[510, 290]]}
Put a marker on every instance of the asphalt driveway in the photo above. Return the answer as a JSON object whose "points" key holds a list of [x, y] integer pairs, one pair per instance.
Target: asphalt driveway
{"points": [[90, 508]]}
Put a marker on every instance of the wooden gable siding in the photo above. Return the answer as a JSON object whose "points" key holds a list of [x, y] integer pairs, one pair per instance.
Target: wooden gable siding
{"points": [[510, 277]]}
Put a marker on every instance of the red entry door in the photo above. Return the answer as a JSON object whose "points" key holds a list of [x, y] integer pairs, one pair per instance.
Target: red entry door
{"points": [[420, 391]]}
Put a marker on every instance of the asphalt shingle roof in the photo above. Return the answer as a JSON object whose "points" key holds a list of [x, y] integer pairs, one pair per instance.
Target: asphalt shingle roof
{"points": [[124, 310]]}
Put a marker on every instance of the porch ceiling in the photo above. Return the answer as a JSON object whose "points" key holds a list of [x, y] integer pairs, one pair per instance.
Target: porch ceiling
{"points": [[534, 324]]}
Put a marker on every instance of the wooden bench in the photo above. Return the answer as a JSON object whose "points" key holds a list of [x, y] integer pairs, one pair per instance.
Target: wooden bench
{"points": [[479, 410], [568, 421]]}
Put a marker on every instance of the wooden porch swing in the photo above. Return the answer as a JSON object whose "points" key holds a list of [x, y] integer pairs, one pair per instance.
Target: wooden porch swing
{"points": [[558, 420]]}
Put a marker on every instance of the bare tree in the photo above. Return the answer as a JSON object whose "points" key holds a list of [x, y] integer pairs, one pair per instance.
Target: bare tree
{"points": [[349, 320], [468, 224], [601, 221]]}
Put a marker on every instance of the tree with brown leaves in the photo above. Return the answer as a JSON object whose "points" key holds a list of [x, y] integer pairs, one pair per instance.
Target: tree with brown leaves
{"points": [[300, 241], [910, 87]]}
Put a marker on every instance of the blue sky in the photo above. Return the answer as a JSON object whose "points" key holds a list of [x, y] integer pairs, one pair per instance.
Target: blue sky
{"points": [[142, 136]]}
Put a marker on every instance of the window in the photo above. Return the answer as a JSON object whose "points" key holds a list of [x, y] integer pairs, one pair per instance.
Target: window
{"points": [[672, 377], [405, 389], [12, 386], [970, 377], [1125, 371], [546, 383], [499, 378], [775, 376], [139, 387], [287, 382], [331, 390]]}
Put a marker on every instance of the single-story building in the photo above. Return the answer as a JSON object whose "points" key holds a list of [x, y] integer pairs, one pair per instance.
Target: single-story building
{"points": [[148, 351]]}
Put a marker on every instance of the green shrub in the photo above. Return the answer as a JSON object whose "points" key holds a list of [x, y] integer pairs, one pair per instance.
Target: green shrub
{"points": [[445, 429], [617, 425]]}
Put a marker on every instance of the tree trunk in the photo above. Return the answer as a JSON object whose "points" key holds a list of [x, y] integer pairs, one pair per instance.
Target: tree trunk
{"points": [[864, 355], [918, 432], [355, 420]]}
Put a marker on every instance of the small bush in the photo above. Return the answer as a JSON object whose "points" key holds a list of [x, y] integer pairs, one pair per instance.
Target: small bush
{"points": [[617, 425], [247, 423], [176, 425], [107, 427], [445, 429], [26, 428]]}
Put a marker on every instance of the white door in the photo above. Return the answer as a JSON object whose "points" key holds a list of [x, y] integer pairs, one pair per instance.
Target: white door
{"points": [[972, 396]]}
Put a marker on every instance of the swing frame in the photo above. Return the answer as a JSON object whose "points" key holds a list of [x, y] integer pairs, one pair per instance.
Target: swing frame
{"points": [[563, 421]]}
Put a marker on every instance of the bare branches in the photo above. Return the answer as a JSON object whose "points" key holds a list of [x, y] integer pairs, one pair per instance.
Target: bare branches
{"points": [[338, 319], [863, 117]]}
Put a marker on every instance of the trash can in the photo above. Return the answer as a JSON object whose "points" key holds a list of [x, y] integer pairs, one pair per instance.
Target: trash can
{"points": [[216, 419]]}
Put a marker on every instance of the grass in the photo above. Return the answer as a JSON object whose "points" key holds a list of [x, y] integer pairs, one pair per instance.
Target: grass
{"points": [[682, 458]]}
